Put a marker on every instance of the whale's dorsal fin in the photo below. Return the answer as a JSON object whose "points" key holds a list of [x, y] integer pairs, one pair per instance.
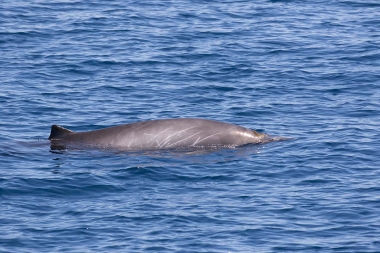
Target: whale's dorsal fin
{"points": [[57, 132]]}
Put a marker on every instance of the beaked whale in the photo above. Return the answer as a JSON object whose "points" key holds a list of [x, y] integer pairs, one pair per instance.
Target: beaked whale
{"points": [[163, 134]]}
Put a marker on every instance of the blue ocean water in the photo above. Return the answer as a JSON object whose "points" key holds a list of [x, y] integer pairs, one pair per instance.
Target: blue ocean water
{"points": [[309, 70]]}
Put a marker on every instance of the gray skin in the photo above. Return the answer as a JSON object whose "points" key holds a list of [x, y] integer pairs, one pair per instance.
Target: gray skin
{"points": [[163, 134]]}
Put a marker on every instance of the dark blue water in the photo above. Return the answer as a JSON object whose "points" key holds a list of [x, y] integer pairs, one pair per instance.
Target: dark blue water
{"points": [[303, 69]]}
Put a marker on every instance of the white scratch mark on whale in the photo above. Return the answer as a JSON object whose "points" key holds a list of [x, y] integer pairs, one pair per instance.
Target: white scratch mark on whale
{"points": [[195, 143], [185, 138], [155, 136], [168, 138]]}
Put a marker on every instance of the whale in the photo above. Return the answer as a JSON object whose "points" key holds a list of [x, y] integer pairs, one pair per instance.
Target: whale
{"points": [[162, 134]]}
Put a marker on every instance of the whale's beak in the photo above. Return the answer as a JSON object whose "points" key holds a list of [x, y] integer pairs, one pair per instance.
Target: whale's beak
{"points": [[267, 138], [279, 138]]}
